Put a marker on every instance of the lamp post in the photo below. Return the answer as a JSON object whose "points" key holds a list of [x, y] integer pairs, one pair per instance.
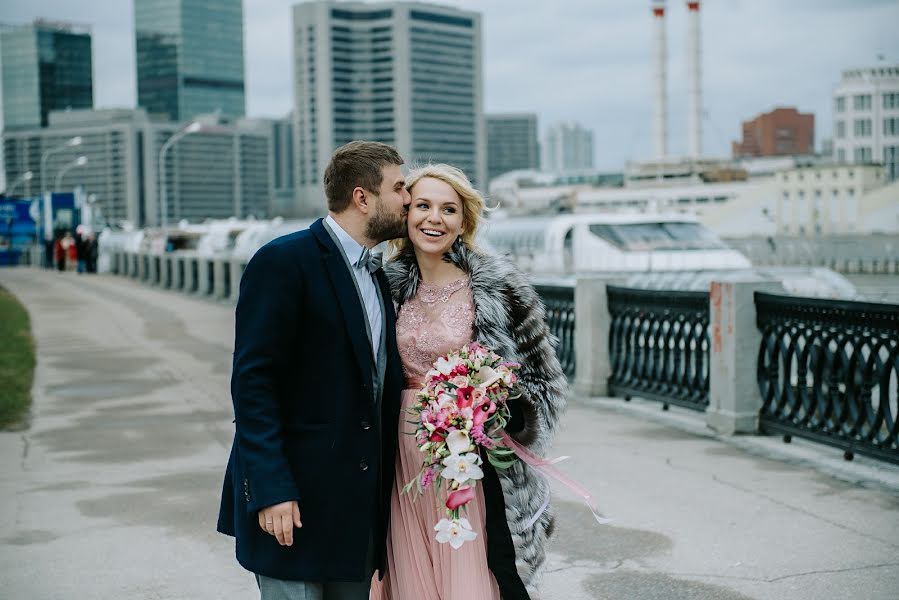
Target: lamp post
{"points": [[71, 143], [26, 176], [78, 162], [194, 127]]}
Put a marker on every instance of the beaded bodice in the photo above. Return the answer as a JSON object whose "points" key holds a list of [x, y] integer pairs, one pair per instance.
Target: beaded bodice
{"points": [[435, 321]]}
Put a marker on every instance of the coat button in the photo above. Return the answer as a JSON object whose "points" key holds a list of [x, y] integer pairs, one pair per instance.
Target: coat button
{"points": [[363, 465], [365, 424]]}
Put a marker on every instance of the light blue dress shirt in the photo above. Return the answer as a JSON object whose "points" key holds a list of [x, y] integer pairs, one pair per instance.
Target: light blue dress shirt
{"points": [[367, 286]]}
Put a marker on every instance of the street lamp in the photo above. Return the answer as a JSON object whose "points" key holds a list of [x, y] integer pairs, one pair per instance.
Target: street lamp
{"points": [[194, 127], [26, 176], [78, 162], [71, 143]]}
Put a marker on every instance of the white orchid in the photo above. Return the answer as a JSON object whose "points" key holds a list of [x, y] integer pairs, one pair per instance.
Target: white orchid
{"points": [[457, 441], [462, 467], [446, 365], [456, 532], [445, 400]]}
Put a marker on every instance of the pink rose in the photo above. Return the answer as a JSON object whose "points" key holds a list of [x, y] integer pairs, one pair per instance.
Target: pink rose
{"points": [[459, 381], [462, 496], [477, 396]]}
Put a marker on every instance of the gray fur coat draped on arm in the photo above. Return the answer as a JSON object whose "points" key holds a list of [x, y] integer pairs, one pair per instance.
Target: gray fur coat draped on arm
{"points": [[509, 319]]}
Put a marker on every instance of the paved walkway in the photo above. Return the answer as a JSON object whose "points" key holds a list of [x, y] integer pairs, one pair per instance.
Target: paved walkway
{"points": [[112, 491]]}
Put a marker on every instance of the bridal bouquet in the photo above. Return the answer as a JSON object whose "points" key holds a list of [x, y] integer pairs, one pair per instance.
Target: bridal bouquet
{"points": [[461, 407]]}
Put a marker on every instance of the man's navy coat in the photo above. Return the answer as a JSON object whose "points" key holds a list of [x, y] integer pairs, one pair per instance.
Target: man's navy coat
{"points": [[307, 425]]}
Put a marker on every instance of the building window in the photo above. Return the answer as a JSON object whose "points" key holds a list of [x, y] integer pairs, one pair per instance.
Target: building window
{"points": [[840, 104], [840, 130], [863, 155], [891, 100], [862, 128], [891, 126], [861, 102], [841, 156], [891, 162]]}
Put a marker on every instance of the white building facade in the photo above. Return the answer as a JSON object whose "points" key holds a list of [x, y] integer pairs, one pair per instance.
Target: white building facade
{"points": [[403, 73], [866, 118], [825, 199]]}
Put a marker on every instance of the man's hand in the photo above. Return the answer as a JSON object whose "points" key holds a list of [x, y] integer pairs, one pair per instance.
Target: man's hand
{"points": [[280, 519]]}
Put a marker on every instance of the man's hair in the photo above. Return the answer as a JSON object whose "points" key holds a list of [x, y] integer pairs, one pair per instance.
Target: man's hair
{"points": [[356, 164]]}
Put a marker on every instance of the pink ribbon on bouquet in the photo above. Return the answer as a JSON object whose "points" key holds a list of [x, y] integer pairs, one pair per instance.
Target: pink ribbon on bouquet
{"points": [[547, 468]]}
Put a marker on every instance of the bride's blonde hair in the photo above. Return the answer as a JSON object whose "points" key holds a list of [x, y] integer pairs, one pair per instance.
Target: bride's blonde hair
{"points": [[472, 201]]}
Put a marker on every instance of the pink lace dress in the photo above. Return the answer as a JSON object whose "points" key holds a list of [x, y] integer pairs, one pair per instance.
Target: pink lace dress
{"points": [[435, 321]]}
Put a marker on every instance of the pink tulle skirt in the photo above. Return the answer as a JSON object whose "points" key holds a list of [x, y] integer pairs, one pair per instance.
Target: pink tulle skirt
{"points": [[418, 566]]}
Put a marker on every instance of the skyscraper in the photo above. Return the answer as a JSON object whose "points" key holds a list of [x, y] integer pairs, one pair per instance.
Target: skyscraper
{"points": [[511, 143], [190, 57], [567, 146], [404, 73], [46, 66]]}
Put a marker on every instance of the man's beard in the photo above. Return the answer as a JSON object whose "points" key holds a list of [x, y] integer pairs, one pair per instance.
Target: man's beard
{"points": [[384, 225]]}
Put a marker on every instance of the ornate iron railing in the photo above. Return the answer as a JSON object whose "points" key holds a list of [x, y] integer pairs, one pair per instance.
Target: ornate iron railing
{"points": [[559, 302], [828, 371], [659, 346]]}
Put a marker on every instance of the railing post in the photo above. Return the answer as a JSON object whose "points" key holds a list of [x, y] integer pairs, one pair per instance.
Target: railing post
{"points": [[237, 266], [734, 400], [591, 336]]}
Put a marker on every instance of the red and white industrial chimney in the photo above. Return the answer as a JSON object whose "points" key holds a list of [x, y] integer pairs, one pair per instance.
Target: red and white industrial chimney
{"points": [[694, 81], [660, 82]]}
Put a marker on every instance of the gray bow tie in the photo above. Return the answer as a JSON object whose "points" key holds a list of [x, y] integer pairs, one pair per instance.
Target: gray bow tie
{"points": [[370, 260]]}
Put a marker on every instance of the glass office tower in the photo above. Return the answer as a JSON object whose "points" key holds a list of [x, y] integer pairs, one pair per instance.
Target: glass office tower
{"points": [[190, 57], [45, 66]]}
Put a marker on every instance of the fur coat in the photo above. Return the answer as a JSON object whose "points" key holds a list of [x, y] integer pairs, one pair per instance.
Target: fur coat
{"points": [[509, 319]]}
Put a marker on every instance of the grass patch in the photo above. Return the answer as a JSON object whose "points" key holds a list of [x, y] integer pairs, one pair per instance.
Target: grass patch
{"points": [[16, 362]]}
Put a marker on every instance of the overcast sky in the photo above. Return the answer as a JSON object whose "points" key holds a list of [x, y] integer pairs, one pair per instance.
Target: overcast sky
{"points": [[586, 60]]}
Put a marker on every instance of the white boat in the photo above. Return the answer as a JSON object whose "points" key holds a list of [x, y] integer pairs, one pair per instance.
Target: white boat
{"points": [[610, 243]]}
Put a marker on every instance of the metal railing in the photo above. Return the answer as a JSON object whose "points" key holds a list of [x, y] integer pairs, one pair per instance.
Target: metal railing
{"points": [[559, 302], [659, 346], [828, 370]]}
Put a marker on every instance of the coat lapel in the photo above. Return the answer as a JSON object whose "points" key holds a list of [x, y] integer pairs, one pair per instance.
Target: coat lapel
{"points": [[347, 299]]}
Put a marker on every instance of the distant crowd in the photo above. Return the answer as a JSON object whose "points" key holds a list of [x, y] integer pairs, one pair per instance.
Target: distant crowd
{"points": [[74, 251]]}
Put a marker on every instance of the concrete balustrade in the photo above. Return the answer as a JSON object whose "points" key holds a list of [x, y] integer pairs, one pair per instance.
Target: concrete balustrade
{"points": [[237, 266], [591, 336], [734, 339], [204, 276]]}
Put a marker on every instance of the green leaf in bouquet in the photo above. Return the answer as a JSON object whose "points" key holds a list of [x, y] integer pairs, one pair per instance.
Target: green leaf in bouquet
{"points": [[500, 463], [501, 451]]}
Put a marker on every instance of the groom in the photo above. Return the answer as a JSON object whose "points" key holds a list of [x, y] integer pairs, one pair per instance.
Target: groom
{"points": [[316, 385]]}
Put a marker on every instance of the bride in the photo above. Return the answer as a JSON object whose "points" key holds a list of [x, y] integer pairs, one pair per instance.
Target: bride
{"points": [[450, 293]]}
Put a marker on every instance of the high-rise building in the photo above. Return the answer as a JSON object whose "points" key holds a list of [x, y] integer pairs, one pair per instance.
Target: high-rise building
{"points": [[567, 146], [404, 73], [282, 166], [46, 66], [190, 57], [221, 171], [511, 143], [781, 132], [866, 118]]}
